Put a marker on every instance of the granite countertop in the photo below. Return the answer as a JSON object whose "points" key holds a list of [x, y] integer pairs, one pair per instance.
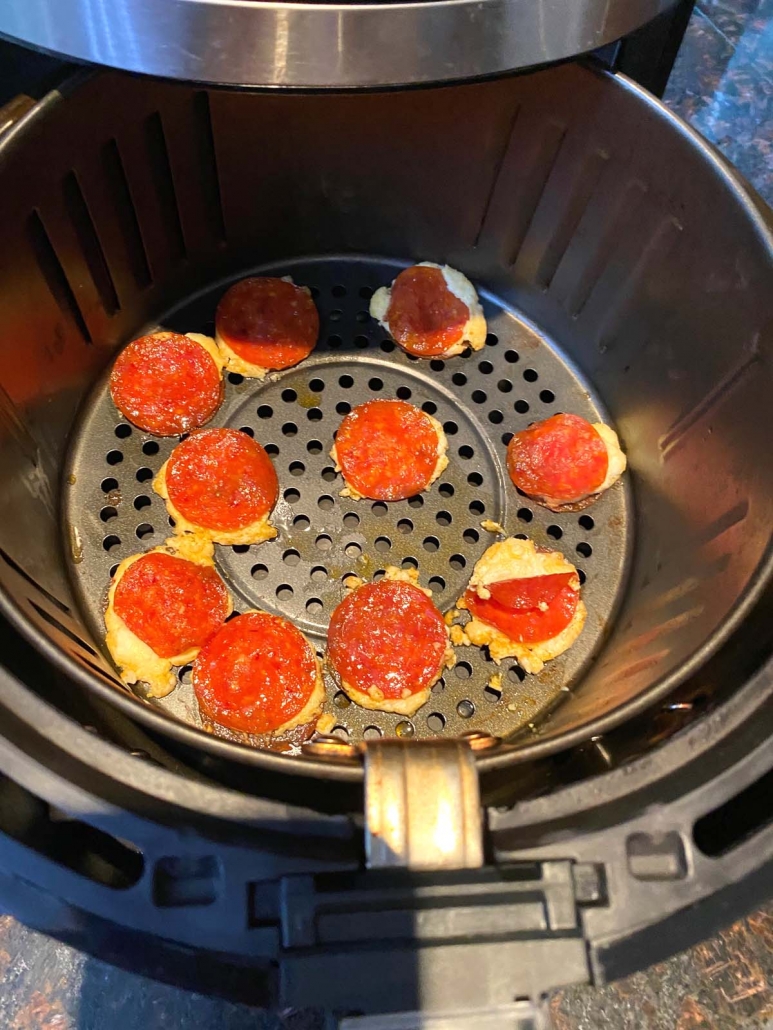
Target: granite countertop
{"points": [[723, 84]]}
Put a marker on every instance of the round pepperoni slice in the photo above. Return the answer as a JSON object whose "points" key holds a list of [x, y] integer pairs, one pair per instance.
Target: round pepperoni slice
{"points": [[268, 322], [170, 603], [535, 619], [559, 461], [387, 637], [166, 384], [221, 479], [387, 450], [424, 316], [256, 675]]}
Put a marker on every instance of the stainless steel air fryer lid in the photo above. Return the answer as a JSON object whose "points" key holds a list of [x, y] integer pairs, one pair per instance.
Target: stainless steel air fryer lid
{"points": [[621, 262], [324, 45]]}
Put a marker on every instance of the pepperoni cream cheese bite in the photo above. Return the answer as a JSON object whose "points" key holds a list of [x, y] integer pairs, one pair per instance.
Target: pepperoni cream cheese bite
{"points": [[565, 463], [389, 450], [263, 323], [259, 675], [168, 384], [220, 485], [431, 311], [388, 644], [524, 602], [162, 607]]}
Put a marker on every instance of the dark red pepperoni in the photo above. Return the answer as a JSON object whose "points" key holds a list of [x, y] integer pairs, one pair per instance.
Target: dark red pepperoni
{"points": [[166, 384], [221, 479], [170, 603], [424, 316], [268, 322], [256, 674], [524, 621], [388, 635], [559, 461], [387, 450]]}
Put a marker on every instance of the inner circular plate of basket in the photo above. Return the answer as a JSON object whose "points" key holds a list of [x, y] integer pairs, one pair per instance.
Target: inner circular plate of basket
{"points": [[480, 398]]}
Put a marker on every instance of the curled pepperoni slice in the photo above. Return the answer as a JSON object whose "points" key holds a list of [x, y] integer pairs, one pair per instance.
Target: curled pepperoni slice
{"points": [[256, 675], [388, 636], [523, 624], [268, 322], [221, 479], [559, 461], [170, 603], [166, 384], [387, 450], [530, 592], [424, 316]]}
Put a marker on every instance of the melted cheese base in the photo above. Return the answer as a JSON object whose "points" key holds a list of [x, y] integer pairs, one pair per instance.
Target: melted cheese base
{"points": [[373, 699], [440, 467], [518, 559], [474, 331], [254, 533], [137, 662]]}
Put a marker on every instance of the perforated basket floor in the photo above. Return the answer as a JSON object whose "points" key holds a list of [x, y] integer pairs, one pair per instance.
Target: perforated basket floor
{"points": [[480, 398]]}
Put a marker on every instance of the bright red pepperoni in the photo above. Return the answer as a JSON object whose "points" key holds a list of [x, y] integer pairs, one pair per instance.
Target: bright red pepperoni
{"points": [[524, 621], [268, 322], [424, 316], [166, 384], [256, 674], [170, 603], [221, 479], [387, 635], [559, 461], [387, 450]]}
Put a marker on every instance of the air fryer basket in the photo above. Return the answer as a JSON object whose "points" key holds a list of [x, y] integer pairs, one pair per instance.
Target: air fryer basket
{"points": [[612, 250]]}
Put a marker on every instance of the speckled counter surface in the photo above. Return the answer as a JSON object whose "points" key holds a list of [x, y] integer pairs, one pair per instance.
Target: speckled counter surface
{"points": [[723, 85]]}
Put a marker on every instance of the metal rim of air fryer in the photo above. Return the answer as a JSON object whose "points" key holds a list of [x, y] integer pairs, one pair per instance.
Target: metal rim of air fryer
{"points": [[285, 48], [194, 738]]}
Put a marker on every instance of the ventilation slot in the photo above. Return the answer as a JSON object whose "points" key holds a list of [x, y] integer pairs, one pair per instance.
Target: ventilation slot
{"points": [[76, 208], [499, 164], [161, 171], [207, 164], [84, 849], [26, 576], [126, 214], [740, 818], [536, 179], [54, 275], [53, 621]]}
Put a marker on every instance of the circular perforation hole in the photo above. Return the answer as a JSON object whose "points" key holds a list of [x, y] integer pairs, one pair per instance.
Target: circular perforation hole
{"points": [[334, 342], [521, 407], [314, 415], [437, 584], [451, 427], [353, 550], [108, 513], [531, 375], [345, 382], [555, 532], [142, 501], [466, 452], [114, 457], [343, 408], [110, 543], [504, 386], [291, 557], [289, 396], [143, 475], [144, 530], [405, 526], [584, 549], [296, 468], [443, 518], [436, 722], [475, 479], [259, 571], [361, 342], [479, 396], [581, 576], [235, 379], [314, 606], [302, 523], [586, 522], [387, 346], [247, 430], [376, 384], [292, 496], [122, 430], [379, 509], [485, 367], [471, 536], [325, 502], [328, 473], [323, 542], [109, 485], [457, 562], [371, 732], [404, 729], [382, 543], [496, 417], [284, 592], [525, 514], [403, 393], [314, 447], [511, 356], [446, 490], [351, 520], [477, 507], [547, 396], [437, 365], [289, 429], [409, 563], [265, 411], [463, 670], [465, 709], [318, 574], [271, 450], [429, 407]]}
